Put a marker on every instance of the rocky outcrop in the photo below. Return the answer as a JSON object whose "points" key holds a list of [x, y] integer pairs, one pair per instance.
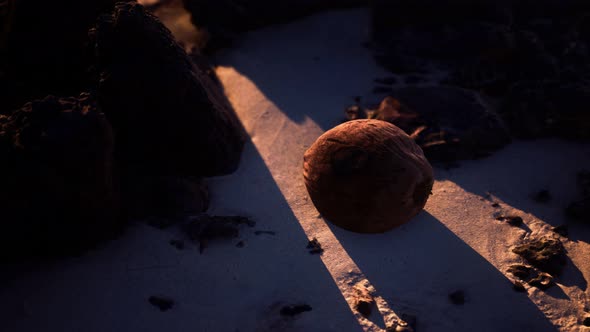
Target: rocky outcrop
{"points": [[169, 116], [58, 192], [448, 123], [45, 49]]}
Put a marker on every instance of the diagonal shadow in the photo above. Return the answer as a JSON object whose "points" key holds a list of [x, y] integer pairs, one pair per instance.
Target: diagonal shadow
{"points": [[416, 266], [224, 289]]}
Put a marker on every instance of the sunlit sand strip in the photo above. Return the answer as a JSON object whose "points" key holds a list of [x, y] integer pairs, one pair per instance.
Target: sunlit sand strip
{"points": [[273, 133]]}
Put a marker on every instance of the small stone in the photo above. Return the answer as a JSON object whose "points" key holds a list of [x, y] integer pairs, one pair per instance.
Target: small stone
{"points": [[353, 112], [561, 230], [161, 302], [457, 297], [314, 246], [542, 196], [511, 220], [518, 286], [495, 205], [294, 310], [520, 271], [542, 281], [363, 301]]}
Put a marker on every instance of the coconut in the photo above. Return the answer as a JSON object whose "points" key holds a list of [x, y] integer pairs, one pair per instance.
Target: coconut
{"points": [[367, 176]]}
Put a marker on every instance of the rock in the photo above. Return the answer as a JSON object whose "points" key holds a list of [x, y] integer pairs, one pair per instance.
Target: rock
{"points": [[161, 302], [561, 230], [546, 254], [448, 123], [50, 59], [58, 193], [169, 116], [314, 246], [548, 109], [294, 310], [531, 276], [457, 297], [363, 302], [367, 176], [511, 220], [519, 287]]}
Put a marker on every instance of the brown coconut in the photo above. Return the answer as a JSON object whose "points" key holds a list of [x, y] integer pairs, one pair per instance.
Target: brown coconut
{"points": [[367, 176]]}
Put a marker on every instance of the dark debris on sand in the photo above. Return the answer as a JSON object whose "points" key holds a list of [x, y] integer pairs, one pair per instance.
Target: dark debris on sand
{"points": [[531, 276], [546, 254], [314, 246], [294, 310], [206, 228], [161, 302]]}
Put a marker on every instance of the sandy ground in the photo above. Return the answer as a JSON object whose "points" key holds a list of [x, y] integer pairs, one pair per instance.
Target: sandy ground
{"points": [[288, 85]]}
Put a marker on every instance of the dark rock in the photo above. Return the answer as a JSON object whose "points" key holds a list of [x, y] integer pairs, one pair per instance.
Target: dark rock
{"points": [[410, 320], [548, 109], [542, 196], [43, 49], [561, 230], [531, 276], [520, 271], [495, 205], [161, 302], [542, 281], [457, 297], [58, 193], [363, 302], [518, 286], [511, 220], [546, 254], [448, 123], [294, 310], [169, 116], [353, 113], [314, 246]]}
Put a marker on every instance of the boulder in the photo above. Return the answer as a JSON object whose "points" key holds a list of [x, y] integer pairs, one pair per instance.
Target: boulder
{"points": [[169, 116], [367, 176], [58, 192]]}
